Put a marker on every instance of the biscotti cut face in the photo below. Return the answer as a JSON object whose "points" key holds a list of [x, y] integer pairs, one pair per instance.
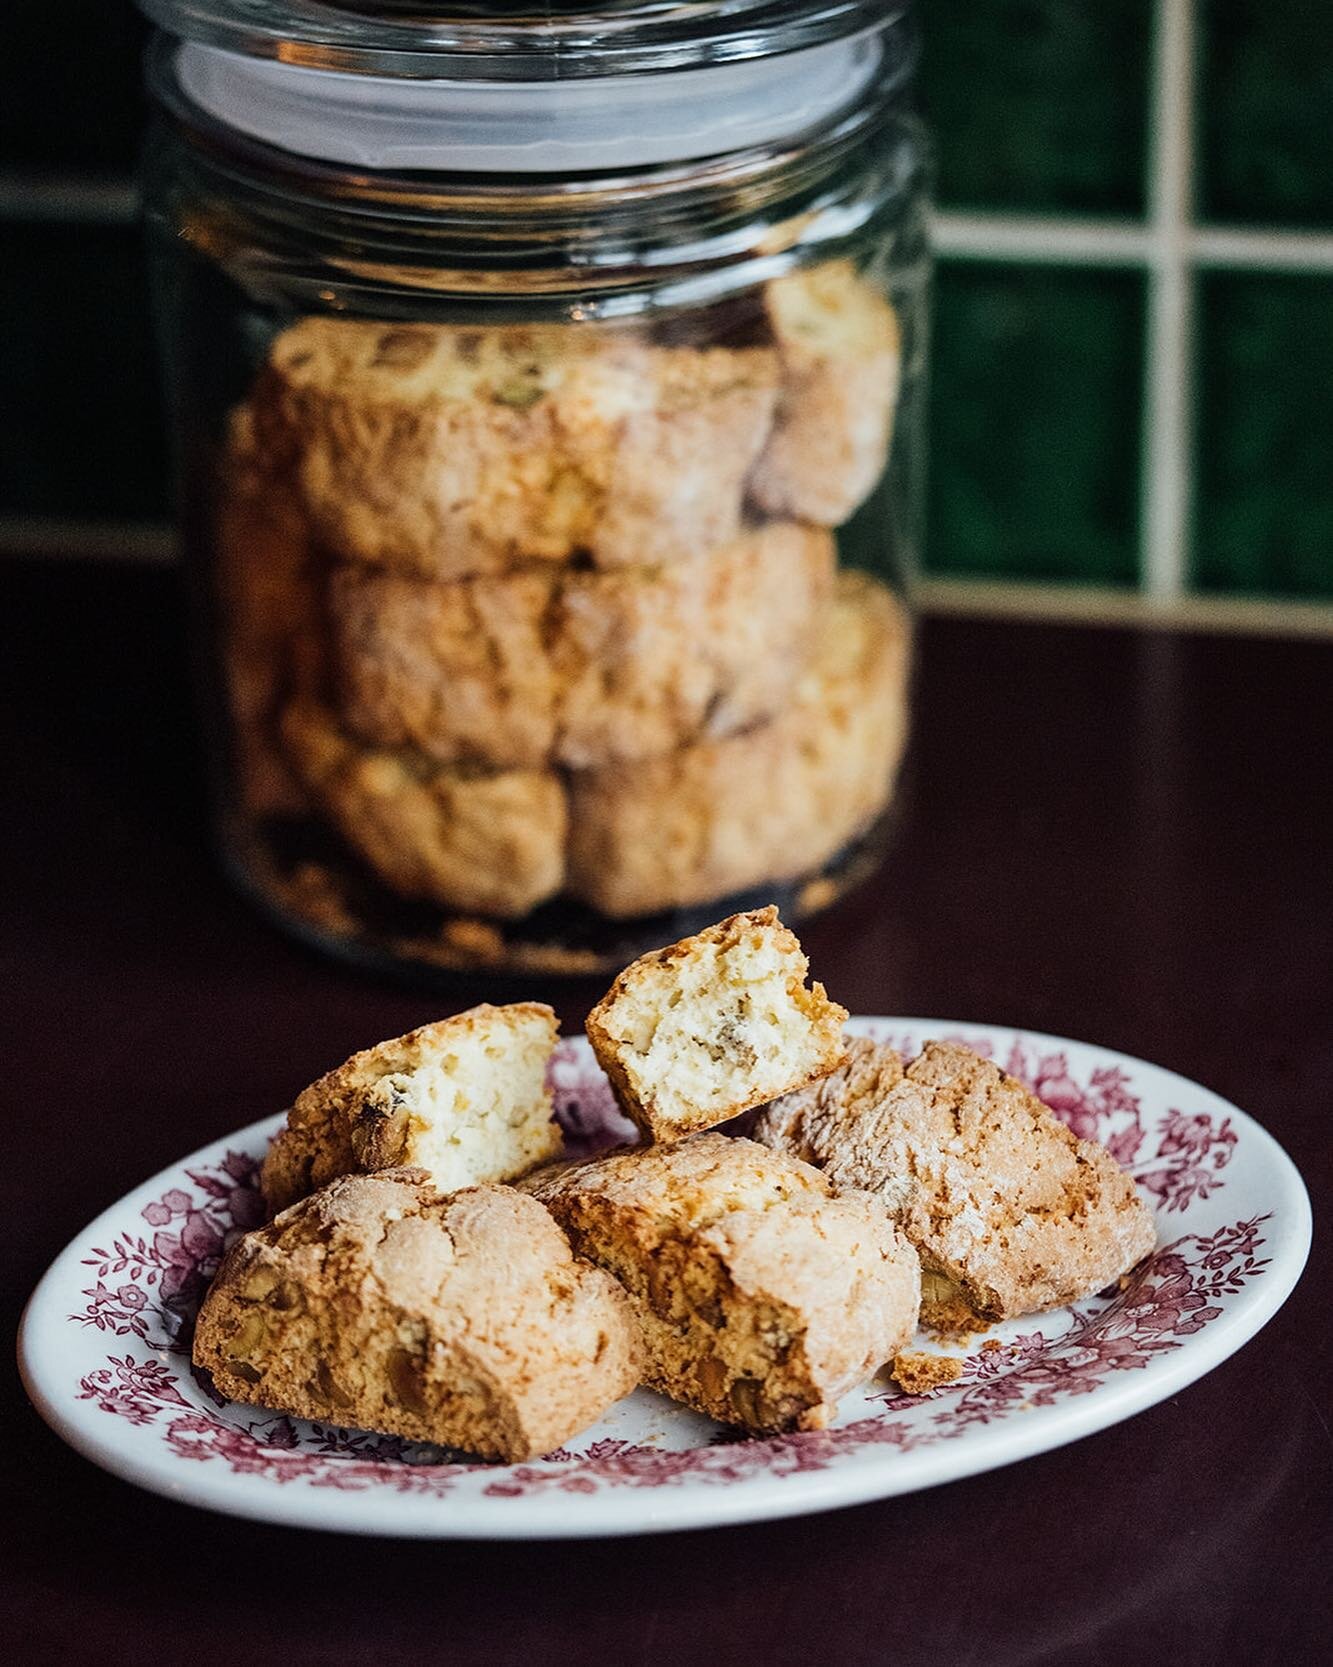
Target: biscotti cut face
{"points": [[381, 1305], [464, 1099], [559, 665], [765, 806], [839, 344], [761, 1296], [448, 451], [991, 1187], [458, 836], [719, 1022]]}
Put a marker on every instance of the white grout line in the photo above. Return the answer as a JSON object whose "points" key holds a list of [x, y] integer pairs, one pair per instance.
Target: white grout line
{"points": [[1074, 604], [67, 198], [1035, 237], [1168, 347], [1082, 242], [53, 538]]}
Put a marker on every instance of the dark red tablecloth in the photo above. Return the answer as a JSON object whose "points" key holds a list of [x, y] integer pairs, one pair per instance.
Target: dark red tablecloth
{"points": [[1117, 836]]}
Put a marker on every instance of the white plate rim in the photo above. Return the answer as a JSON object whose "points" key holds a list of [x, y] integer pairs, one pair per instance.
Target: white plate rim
{"points": [[879, 1474]]}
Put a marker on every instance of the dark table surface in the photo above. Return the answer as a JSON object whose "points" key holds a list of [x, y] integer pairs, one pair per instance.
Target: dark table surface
{"points": [[1111, 835]]}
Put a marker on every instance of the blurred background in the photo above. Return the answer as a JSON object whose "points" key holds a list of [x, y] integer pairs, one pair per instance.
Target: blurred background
{"points": [[1130, 410]]}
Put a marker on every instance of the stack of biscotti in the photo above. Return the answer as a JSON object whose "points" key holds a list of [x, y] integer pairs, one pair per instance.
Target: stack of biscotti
{"points": [[537, 584], [762, 1293]]}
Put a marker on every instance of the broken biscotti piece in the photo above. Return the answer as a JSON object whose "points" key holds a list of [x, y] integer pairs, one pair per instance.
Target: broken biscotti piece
{"points": [[765, 806], [459, 836], [448, 451], [762, 1296], [464, 1099], [558, 665], [838, 340], [700, 1032], [994, 1191], [382, 1305]]}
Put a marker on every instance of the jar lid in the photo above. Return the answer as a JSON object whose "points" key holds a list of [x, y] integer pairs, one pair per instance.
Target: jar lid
{"points": [[549, 42]]}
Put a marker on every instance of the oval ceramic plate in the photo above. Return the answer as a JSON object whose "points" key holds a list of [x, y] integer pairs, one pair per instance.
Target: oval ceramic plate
{"points": [[104, 1345]]}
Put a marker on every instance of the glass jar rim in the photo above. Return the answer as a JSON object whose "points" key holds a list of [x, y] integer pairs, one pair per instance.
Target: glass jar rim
{"points": [[561, 42]]}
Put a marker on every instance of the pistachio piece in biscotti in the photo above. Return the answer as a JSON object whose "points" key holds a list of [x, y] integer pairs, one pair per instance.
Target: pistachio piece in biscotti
{"points": [[489, 841], [839, 343], [697, 1033], [449, 451], [379, 1303], [764, 806], [579, 668], [762, 1297], [995, 1192], [464, 1099]]}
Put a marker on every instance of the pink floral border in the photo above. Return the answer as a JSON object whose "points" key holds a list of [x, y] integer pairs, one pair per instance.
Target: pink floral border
{"points": [[146, 1286]]}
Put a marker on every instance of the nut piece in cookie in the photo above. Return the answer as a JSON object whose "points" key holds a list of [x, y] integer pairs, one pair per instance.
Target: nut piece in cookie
{"points": [[464, 1099], [994, 1191], [761, 1295], [490, 841], [719, 1022], [380, 1304], [841, 353], [448, 451], [768, 805]]}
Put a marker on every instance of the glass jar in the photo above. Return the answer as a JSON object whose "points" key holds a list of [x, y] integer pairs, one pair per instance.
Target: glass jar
{"points": [[548, 399]]}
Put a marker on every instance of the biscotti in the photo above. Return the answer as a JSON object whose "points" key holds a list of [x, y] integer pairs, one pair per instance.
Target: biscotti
{"points": [[764, 806], [449, 451], [839, 343], [464, 1099], [762, 1298], [269, 612], [378, 1303], [703, 1030], [990, 1186], [455, 836], [579, 668]]}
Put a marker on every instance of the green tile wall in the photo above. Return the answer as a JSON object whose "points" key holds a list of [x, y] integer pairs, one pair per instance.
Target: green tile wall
{"points": [[78, 398], [1267, 112], [1265, 471], [1034, 422], [1038, 105], [69, 84]]}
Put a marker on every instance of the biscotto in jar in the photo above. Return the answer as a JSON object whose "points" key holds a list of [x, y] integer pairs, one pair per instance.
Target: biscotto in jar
{"points": [[549, 404]]}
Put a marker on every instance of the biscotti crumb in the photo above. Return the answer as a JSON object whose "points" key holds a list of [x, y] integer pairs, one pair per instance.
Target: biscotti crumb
{"points": [[944, 1308], [464, 1099], [701, 1031], [379, 1304], [917, 1373], [762, 1297]]}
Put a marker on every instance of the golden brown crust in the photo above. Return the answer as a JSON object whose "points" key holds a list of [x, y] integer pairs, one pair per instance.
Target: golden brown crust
{"points": [[448, 451], [379, 1304], [699, 1032], [580, 668], [765, 806], [761, 1296], [463, 1099], [990, 1186], [838, 340], [486, 841]]}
